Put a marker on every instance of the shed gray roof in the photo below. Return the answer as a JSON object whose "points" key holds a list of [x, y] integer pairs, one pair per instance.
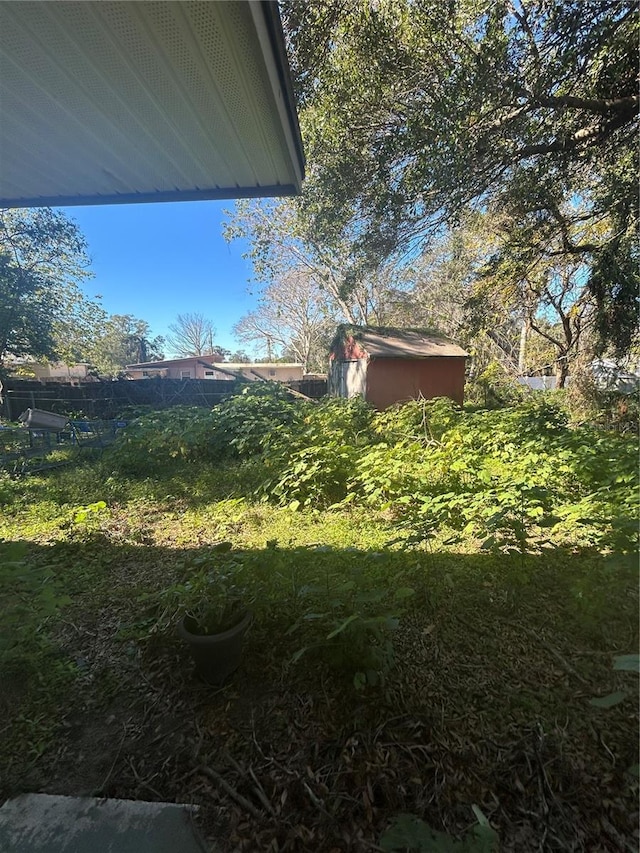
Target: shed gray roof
{"points": [[405, 343]]}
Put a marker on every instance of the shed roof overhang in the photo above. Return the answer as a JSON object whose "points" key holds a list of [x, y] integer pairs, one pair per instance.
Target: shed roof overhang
{"points": [[117, 101]]}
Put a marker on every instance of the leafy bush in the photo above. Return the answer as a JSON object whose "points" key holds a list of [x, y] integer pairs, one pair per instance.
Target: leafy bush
{"points": [[512, 478], [492, 388], [211, 590], [250, 420], [346, 612], [508, 477], [417, 420], [331, 606], [238, 427], [310, 463], [315, 476]]}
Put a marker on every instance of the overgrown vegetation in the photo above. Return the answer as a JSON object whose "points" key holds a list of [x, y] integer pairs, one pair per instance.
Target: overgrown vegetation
{"points": [[439, 594], [521, 477]]}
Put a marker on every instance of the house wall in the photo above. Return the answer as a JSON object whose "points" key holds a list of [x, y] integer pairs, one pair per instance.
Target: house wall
{"points": [[171, 370], [197, 370], [347, 378], [56, 370], [394, 380], [272, 372], [538, 383]]}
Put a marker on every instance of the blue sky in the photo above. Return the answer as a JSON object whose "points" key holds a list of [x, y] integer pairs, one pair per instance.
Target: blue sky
{"points": [[156, 261]]}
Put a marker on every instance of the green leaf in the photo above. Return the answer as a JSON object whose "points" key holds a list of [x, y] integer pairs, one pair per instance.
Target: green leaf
{"points": [[13, 552], [409, 833], [627, 663], [359, 680], [403, 592], [610, 700], [372, 677], [479, 815], [296, 657], [481, 839], [370, 596], [341, 627]]}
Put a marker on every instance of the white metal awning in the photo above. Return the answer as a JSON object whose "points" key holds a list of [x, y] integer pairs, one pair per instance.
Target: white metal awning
{"points": [[105, 102]]}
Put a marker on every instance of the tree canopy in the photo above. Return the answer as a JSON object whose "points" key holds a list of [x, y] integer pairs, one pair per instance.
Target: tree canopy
{"points": [[415, 112], [27, 313], [123, 340], [291, 318], [193, 334], [44, 311], [43, 259]]}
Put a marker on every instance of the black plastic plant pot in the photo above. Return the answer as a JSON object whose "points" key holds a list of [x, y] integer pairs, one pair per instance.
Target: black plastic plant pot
{"points": [[216, 656]]}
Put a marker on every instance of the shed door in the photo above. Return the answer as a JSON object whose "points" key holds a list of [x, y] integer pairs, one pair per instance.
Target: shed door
{"points": [[353, 378]]}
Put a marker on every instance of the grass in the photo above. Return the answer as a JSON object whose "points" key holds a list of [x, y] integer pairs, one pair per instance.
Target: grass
{"points": [[486, 702]]}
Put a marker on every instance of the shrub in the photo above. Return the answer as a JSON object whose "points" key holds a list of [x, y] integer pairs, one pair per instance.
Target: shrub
{"points": [[417, 420], [238, 427], [311, 462], [509, 476], [346, 612]]}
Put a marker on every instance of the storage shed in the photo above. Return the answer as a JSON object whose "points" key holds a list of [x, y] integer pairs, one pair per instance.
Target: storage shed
{"points": [[387, 366]]}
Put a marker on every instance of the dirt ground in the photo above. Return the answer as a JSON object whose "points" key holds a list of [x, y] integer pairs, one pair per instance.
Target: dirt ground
{"points": [[283, 759]]}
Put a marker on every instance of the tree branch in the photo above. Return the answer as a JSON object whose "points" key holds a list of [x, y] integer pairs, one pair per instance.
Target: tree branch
{"points": [[586, 136], [603, 106]]}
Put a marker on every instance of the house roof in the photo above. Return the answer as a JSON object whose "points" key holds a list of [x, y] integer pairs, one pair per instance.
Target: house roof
{"points": [[159, 365], [401, 343], [112, 101], [262, 364], [206, 362]]}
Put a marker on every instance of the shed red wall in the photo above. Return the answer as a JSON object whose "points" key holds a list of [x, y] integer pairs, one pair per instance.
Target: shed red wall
{"points": [[394, 380]]}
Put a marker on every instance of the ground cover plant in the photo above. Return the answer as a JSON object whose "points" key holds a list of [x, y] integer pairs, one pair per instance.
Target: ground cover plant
{"points": [[445, 608]]}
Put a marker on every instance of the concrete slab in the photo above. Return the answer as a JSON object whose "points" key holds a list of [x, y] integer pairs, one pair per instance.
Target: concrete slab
{"points": [[46, 823]]}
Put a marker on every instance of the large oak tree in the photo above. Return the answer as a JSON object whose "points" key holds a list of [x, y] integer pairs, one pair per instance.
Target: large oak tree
{"points": [[416, 111]]}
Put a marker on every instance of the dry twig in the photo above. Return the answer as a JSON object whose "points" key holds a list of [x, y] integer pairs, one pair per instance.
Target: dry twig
{"points": [[230, 790]]}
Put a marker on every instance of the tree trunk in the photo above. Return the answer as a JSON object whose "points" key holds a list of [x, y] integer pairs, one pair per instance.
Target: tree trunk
{"points": [[522, 351], [562, 371]]}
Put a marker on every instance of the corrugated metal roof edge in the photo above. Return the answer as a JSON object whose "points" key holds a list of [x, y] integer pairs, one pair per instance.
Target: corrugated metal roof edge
{"points": [[210, 194], [273, 22]]}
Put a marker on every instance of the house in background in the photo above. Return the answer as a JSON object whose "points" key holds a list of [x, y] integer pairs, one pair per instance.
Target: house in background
{"points": [[58, 371], [199, 367], [274, 372], [387, 366]]}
